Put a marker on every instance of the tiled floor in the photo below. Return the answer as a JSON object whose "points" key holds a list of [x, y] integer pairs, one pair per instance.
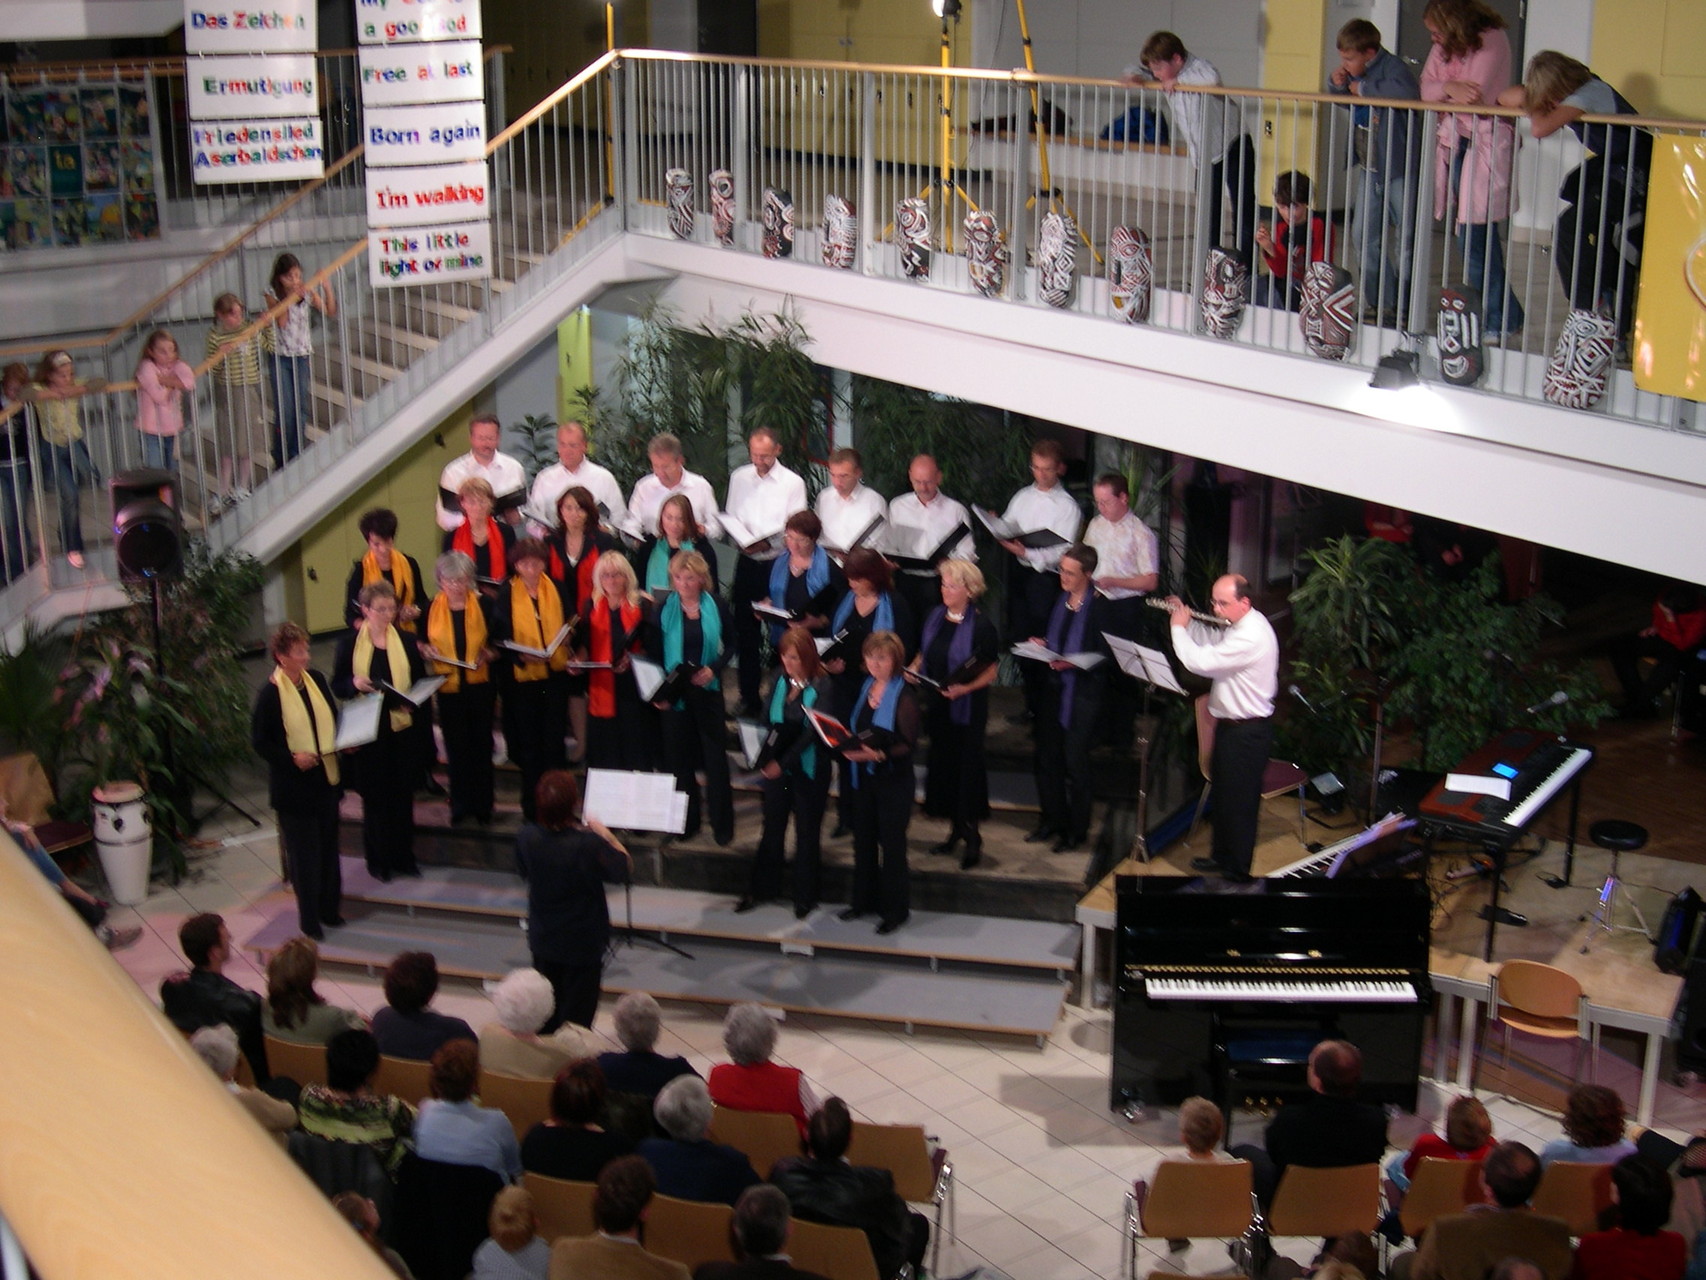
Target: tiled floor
{"points": [[1042, 1165]]}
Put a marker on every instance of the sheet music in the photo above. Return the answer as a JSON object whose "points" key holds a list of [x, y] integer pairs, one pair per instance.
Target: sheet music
{"points": [[548, 650], [1042, 653], [1477, 784], [359, 723], [1144, 663], [752, 739], [772, 612], [635, 801], [419, 691], [648, 675], [742, 537]]}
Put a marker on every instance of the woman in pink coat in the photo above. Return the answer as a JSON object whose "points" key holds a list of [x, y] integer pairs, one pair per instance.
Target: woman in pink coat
{"points": [[161, 381], [1470, 64]]}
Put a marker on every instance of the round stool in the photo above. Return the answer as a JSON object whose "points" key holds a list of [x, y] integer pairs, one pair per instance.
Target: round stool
{"points": [[1618, 837]]}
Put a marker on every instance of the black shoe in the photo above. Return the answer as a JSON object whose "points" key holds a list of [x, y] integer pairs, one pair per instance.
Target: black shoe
{"points": [[947, 846], [851, 913], [433, 787], [971, 857], [748, 903], [317, 934], [1066, 844], [801, 912], [889, 925], [384, 877], [724, 839], [1042, 835], [1208, 866], [841, 832], [1238, 877], [332, 922]]}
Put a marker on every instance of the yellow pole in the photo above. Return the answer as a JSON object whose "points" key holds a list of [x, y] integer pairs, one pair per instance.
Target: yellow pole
{"points": [[1047, 188], [947, 184]]}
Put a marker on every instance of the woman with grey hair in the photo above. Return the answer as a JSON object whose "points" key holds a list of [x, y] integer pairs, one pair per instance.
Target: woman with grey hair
{"points": [[459, 631], [523, 1000], [640, 1069], [687, 1164], [217, 1046], [751, 1081]]}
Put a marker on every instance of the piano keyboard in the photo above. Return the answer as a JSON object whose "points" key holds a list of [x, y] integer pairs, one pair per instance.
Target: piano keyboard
{"points": [[1361, 991], [1317, 863], [1560, 777]]}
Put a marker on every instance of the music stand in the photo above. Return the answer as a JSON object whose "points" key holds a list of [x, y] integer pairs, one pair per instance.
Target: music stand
{"points": [[1150, 668], [637, 801]]}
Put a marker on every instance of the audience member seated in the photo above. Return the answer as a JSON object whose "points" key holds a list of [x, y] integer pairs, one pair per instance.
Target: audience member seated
{"points": [[1468, 1136], [759, 1233], [571, 1144], [1593, 1129], [405, 1027], [516, 1250], [345, 1108], [1467, 1246], [294, 1011], [362, 1214], [455, 1129], [640, 1068], [205, 996], [217, 1046], [523, 1000], [614, 1251], [822, 1187], [1328, 1130], [1201, 1127], [1636, 1248], [687, 1164], [751, 1081]]}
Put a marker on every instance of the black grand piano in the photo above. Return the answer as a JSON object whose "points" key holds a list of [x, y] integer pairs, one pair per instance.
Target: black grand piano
{"points": [[1223, 989]]}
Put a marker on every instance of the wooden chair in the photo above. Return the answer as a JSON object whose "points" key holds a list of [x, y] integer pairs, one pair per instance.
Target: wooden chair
{"points": [[404, 1078], [1326, 1202], [526, 1101], [1538, 1000], [765, 1136], [1279, 777], [29, 798], [1577, 1193], [689, 1231], [1189, 1199], [565, 1208], [1439, 1187], [922, 1174], [837, 1253], [303, 1063]]}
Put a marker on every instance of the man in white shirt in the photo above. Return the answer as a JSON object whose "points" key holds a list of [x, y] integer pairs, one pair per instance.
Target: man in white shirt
{"points": [[1212, 127], [1127, 569], [922, 519], [1042, 504], [669, 476], [762, 495], [1242, 660], [504, 473], [847, 507], [572, 469]]}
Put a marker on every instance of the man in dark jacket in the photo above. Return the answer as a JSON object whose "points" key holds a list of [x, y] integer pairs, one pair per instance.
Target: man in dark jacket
{"points": [[1328, 1130], [205, 996], [760, 1230], [823, 1187]]}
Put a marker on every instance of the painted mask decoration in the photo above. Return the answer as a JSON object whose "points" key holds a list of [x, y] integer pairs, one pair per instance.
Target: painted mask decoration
{"points": [[1131, 272], [1057, 255], [1581, 362], [840, 233], [678, 188], [723, 207], [986, 253], [1461, 362], [778, 224], [1225, 289], [1327, 313], [912, 223]]}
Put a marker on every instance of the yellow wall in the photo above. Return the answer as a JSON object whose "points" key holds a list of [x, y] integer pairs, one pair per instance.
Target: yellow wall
{"points": [[902, 32], [1296, 33], [1650, 51]]}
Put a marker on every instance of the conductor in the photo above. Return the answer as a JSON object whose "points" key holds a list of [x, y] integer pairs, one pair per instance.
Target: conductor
{"points": [[1243, 662]]}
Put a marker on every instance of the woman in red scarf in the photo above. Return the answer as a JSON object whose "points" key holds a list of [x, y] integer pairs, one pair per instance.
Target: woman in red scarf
{"points": [[621, 730], [483, 539], [575, 548]]}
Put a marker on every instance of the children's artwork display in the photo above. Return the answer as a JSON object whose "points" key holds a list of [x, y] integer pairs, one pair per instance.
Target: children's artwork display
{"points": [[77, 165]]}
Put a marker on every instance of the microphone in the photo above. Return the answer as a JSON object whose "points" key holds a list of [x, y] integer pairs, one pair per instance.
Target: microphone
{"points": [[1297, 693], [1558, 699]]}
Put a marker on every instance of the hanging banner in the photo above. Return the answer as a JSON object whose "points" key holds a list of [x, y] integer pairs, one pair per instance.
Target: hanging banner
{"points": [[399, 75], [278, 26], [429, 255], [1670, 319], [253, 87], [424, 135], [404, 21], [437, 193], [256, 150]]}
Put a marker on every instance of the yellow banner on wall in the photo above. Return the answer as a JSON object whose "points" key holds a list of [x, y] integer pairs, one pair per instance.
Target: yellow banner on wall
{"points": [[1670, 319]]}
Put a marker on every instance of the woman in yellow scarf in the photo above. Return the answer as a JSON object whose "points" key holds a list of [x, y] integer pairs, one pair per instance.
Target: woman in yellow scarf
{"points": [[375, 657], [384, 563], [459, 627], [294, 729], [530, 611]]}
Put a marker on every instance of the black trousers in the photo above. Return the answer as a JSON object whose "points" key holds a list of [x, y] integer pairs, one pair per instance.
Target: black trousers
{"points": [[385, 780], [1241, 749], [695, 735], [751, 582], [1626, 654], [922, 593], [576, 987], [310, 839], [956, 786], [1030, 599], [467, 721], [803, 798], [882, 810], [1062, 758], [1236, 173], [535, 718]]}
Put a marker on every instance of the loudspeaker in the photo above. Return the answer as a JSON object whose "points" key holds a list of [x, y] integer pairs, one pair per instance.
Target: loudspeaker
{"points": [[148, 535], [1327, 792], [1691, 1044]]}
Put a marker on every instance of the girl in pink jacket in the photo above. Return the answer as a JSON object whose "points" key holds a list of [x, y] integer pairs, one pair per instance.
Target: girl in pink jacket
{"points": [[161, 381]]}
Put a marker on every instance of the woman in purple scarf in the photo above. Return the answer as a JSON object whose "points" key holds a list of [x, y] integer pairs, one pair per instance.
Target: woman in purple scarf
{"points": [[1072, 697]]}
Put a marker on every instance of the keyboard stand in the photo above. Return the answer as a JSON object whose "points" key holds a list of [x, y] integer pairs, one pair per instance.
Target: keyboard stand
{"points": [[1563, 881]]}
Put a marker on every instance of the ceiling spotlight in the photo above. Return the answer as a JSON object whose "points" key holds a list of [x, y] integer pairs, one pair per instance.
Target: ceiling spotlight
{"points": [[1397, 372], [945, 8]]}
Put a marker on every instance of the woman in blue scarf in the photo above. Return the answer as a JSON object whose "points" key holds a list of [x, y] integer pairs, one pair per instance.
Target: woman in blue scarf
{"points": [[882, 786], [678, 530], [1067, 711], [795, 778], [868, 607], [959, 651], [805, 581], [694, 628]]}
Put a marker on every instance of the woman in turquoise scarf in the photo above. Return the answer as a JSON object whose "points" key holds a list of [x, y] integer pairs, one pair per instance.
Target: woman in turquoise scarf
{"points": [[883, 786], [678, 530], [694, 629]]}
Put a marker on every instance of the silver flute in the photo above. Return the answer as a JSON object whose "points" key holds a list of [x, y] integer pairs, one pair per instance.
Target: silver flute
{"points": [[1207, 619]]}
